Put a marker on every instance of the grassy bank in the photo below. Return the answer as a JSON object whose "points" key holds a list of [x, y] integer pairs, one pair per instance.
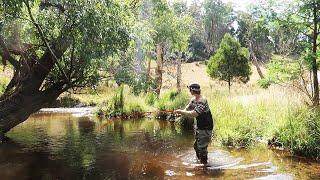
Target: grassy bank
{"points": [[121, 102], [276, 116]]}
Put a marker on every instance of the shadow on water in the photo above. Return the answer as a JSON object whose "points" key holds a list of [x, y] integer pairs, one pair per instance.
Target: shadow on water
{"points": [[60, 146]]}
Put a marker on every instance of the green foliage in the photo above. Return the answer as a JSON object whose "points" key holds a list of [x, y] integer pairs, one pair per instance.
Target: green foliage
{"points": [[237, 125], [230, 61], [169, 28], [254, 33], [150, 98], [122, 102], [132, 107], [116, 103], [216, 18], [92, 31], [3, 84], [264, 83], [300, 133], [172, 100], [285, 70]]}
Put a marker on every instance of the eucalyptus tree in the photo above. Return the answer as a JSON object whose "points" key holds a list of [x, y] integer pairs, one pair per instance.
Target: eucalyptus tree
{"points": [[55, 46], [197, 41], [253, 34], [170, 31], [307, 13], [218, 18]]}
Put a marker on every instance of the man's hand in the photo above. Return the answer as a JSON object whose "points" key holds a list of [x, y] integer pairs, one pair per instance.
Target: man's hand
{"points": [[178, 111], [190, 114]]}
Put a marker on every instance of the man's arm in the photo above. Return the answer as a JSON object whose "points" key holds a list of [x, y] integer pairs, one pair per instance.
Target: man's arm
{"points": [[190, 114]]}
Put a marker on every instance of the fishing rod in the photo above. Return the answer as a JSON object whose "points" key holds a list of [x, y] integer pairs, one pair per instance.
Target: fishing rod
{"points": [[159, 111], [139, 114]]}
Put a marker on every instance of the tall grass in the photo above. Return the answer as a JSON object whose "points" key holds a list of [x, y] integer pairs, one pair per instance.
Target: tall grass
{"points": [[243, 119], [300, 132], [122, 102], [171, 100], [275, 115]]}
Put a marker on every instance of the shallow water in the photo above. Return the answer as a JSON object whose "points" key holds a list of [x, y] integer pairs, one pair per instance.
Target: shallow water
{"points": [[62, 146]]}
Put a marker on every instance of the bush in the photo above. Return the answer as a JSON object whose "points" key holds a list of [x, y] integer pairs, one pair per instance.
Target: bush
{"points": [[134, 107], [264, 83]]}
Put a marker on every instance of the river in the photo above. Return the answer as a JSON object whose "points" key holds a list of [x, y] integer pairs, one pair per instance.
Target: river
{"points": [[63, 146]]}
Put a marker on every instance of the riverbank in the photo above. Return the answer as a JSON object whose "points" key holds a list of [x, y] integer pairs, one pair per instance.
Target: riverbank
{"points": [[244, 117]]}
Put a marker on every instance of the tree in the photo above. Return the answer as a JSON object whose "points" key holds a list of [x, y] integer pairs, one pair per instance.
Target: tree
{"points": [[170, 32], [254, 34], [197, 41], [57, 46], [309, 15], [230, 62], [217, 19]]}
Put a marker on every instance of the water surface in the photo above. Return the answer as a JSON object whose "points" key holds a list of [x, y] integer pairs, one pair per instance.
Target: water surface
{"points": [[61, 146]]}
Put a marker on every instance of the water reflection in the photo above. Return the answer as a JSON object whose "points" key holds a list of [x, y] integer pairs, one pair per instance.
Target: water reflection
{"points": [[60, 146]]}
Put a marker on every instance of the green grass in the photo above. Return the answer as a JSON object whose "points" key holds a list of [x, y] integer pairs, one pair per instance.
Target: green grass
{"points": [[122, 102], [171, 100], [300, 132], [242, 120]]}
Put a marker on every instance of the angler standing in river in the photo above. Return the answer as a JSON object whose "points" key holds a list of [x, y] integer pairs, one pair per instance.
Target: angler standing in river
{"points": [[198, 108]]}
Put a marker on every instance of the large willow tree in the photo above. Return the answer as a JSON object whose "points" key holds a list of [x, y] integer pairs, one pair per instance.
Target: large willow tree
{"points": [[53, 46]]}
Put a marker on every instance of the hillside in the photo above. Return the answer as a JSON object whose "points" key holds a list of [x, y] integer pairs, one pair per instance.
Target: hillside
{"points": [[197, 72]]}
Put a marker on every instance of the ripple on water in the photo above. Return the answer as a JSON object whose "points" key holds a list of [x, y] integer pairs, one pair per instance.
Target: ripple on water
{"points": [[216, 160]]}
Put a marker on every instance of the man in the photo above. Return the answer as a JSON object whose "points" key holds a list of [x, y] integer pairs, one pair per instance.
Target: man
{"points": [[198, 107]]}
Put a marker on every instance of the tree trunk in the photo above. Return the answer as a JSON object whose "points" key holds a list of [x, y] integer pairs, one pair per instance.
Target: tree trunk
{"points": [[148, 73], [23, 97], [179, 75], [254, 60], [159, 68], [314, 58], [18, 107]]}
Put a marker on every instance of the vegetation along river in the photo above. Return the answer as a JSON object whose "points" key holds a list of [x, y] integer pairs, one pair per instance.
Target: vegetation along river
{"points": [[63, 146]]}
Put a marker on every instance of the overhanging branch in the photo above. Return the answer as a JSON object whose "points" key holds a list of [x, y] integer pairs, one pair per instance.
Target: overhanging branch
{"points": [[6, 54], [42, 36]]}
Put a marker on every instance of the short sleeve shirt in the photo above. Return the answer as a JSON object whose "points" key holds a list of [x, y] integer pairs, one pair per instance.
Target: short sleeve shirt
{"points": [[200, 105]]}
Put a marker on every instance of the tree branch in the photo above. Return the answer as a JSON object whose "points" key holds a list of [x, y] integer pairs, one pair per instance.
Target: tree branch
{"points": [[6, 54], [42, 36]]}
